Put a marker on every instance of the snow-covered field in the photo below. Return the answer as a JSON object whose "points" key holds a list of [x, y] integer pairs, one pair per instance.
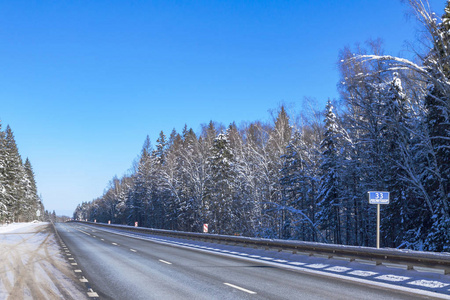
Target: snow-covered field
{"points": [[32, 266]]}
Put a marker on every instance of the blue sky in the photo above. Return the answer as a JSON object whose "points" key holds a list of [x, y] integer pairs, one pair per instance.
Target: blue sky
{"points": [[83, 82]]}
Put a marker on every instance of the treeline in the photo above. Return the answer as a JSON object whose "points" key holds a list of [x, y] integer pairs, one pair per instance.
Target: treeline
{"points": [[305, 178], [19, 200]]}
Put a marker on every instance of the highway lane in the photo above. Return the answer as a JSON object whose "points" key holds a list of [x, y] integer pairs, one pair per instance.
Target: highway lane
{"points": [[121, 267]]}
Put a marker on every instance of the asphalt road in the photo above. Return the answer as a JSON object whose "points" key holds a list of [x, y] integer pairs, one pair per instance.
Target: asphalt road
{"points": [[121, 267]]}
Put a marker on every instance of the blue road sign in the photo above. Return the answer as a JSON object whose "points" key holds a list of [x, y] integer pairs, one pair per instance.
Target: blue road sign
{"points": [[378, 197]]}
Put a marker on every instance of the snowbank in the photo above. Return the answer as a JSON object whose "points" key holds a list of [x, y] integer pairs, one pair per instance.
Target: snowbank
{"points": [[32, 265]]}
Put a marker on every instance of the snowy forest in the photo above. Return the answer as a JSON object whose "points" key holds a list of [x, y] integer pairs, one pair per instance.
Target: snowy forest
{"points": [[19, 200], [307, 177]]}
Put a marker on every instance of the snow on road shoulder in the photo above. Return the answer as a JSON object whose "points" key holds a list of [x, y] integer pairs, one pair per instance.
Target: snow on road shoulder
{"points": [[15, 226], [32, 265]]}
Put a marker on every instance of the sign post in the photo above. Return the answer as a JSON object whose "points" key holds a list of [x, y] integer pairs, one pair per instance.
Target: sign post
{"points": [[378, 198]]}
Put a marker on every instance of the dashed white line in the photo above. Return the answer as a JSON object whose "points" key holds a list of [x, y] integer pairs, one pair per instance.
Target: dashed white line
{"points": [[317, 266], [362, 273], [338, 269], [92, 294], [296, 263], [239, 288], [115, 244], [166, 262], [133, 250], [429, 283], [267, 258], [394, 278]]}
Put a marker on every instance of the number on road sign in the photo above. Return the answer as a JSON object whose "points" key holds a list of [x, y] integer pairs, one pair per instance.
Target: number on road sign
{"points": [[378, 197]]}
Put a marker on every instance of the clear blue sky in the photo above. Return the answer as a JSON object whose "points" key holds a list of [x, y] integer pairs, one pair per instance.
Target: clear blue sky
{"points": [[83, 82]]}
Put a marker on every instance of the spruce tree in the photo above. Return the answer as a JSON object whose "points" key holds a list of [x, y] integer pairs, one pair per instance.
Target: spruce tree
{"points": [[331, 196], [4, 212], [219, 189], [15, 178]]}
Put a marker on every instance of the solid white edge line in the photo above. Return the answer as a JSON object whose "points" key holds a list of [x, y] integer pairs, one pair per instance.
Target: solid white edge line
{"points": [[166, 262], [239, 288]]}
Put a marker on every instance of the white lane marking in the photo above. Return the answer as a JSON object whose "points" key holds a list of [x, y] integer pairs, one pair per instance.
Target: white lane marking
{"points": [[429, 283], [338, 269], [83, 279], [77, 271], [393, 278], [92, 294], [166, 262], [281, 260], [74, 264], [239, 288], [115, 244], [296, 263], [267, 258], [133, 250], [317, 266], [102, 239], [362, 273]]}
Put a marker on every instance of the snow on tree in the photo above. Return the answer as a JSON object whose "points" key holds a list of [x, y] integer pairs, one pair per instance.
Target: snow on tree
{"points": [[18, 191], [219, 187], [311, 183]]}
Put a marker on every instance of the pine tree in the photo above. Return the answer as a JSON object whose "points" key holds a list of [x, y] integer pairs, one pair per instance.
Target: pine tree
{"points": [[279, 138], [297, 202], [33, 203], [331, 193], [161, 147], [138, 201], [219, 189], [4, 213], [15, 178]]}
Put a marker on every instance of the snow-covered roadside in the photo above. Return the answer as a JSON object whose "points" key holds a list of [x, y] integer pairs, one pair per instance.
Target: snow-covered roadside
{"points": [[14, 226], [32, 265]]}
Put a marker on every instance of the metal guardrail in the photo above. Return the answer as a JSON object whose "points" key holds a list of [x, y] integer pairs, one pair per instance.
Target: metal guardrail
{"points": [[380, 256]]}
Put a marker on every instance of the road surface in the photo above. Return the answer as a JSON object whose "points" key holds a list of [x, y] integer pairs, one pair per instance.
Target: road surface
{"points": [[122, 267]]}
